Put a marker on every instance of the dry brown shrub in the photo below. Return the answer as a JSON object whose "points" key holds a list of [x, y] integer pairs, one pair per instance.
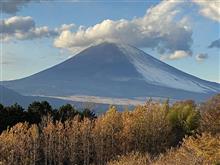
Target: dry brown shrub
{"points": [[132, 159], [210, 112]]}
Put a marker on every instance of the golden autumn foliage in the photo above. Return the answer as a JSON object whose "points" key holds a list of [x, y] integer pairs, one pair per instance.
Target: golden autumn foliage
{"points": [[200, 150], [145, 135], [20, 145], [146, 129], [106, 135]]}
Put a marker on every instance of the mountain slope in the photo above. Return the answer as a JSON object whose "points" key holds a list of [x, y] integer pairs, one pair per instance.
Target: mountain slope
{"points": [[114, 70], [9, 97]]}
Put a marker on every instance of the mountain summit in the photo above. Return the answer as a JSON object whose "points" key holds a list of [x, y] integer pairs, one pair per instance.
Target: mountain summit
{"points": [[114, 70]]}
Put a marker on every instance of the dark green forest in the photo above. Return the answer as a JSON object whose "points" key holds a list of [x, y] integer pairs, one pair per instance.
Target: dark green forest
{"points": [[11, 115]]}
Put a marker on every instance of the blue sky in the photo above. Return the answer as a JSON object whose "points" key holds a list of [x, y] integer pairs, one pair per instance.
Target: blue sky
{"points": [[29, 53]]}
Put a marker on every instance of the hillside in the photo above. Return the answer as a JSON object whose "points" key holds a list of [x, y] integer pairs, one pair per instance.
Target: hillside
{"points": [[114, 70]]}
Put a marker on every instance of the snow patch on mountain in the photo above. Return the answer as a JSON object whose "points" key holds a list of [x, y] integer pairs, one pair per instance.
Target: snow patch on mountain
{"points": [[151, 70]]}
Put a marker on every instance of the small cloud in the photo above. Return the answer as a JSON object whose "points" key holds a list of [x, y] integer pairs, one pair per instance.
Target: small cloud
{"points": [[201, 56], [215, 44], [12, 6], [179, 54], [66, 27]]}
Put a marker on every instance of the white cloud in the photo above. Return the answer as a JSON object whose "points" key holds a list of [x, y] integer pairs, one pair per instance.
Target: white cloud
{"points": [[65, 27], [157, 29], [201, 56], [176, 55], [23, 28], [19, 24], [209, 9]]}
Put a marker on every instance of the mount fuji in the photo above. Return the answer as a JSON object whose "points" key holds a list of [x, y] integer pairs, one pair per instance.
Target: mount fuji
{"points": [[114, 70]]}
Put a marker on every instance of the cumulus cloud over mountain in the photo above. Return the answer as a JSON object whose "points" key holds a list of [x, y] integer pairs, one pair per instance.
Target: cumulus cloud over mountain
{"points": [[163, 28], [157, 29]]}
